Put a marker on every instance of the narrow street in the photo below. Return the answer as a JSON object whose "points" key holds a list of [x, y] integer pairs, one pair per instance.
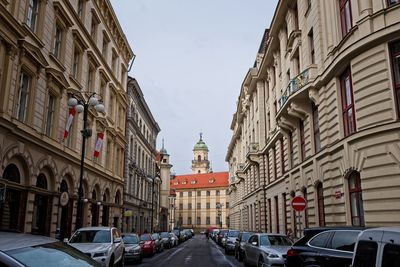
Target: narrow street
{"points": [[196, 252]]}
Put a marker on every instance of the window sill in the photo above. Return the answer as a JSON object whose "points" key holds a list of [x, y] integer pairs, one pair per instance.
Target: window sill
{"points": [[57, 62], [73, 79], [32, 34]]}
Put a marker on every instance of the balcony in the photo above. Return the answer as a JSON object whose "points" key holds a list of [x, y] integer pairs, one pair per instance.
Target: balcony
{"points": [[297, 83], [253, 153]]}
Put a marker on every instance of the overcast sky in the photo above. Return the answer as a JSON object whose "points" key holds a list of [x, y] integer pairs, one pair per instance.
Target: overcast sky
{"points": [[191, 59]]}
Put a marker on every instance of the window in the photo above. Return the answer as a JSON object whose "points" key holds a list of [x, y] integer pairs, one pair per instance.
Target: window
{"points": [[317, 138], [344, 240], [395, 54], [227, 205], [391, 254], [198, 206], [269, 215], [275, 165], [217, 193], [208, 205], [93, 28], [276, 213], [320, 240], [218, 220], [189, 221], [285, 222], [304, 191], [365, 255], [208, 193], [189, 206], [76, 63], [189, 193], [393, 2], [198, 158], [181, 206], [50, 115], [356, 202], [198, 220], [291, 150], [103, 84], [105, 46], [302, 140], [111, 105], [345, 16], [311, 46], [282, 157], [199, 193], [114, 62], [320, 204], [349, 121], [90, 78], [57, 41], [23, 96], [208, 220], [32, 18], [80, 8]]}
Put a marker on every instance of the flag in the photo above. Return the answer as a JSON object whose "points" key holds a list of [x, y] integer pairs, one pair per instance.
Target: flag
{"points": [[72, 112], [99, 144]]}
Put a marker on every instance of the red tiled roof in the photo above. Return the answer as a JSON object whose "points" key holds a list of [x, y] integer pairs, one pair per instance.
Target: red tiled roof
{"points": [[203, 180]]}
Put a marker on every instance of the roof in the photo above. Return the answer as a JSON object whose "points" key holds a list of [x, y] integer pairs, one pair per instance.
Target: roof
{"points": [[200, 180], [10, 241]]}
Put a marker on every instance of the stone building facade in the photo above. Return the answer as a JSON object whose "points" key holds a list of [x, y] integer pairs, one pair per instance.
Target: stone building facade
{"points": [[165, 166], [49, 51], [199, 200], [318, 116], [141, 157]]}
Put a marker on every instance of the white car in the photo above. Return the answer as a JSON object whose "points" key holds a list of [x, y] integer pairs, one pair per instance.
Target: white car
{"points": [[103, 244]]}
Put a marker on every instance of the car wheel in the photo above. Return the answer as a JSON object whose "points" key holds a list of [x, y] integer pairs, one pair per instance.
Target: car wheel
{"points": [[111, 264], [260, 262]]}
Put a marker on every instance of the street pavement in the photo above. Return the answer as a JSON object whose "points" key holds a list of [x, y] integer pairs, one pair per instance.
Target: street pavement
{"points": [[196, 252]]}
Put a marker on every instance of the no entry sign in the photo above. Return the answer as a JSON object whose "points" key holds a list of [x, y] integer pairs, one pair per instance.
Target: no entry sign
{"points": [[299, 203]]}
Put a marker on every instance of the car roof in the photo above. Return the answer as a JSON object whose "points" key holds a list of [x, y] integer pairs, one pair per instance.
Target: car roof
{"points": [[129, 234], [381, 234], [97, 228], [10, 241]]}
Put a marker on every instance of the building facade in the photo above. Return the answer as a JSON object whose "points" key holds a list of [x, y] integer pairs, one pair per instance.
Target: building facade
{"points": [[49, 51], [141, 166], [165, 166], [199, 200], [318, 116]]}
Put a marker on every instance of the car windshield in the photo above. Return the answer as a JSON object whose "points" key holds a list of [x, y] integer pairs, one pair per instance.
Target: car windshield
{"points": [[176, 232], [155, 236], [164, 235], [91, 236], [233, 233], [245, 237], [130, 239], [274, 240], [51, 254], [145, 238]]}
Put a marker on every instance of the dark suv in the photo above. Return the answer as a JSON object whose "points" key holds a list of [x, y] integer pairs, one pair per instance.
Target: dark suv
{"points": [[324, 247], [240, 240]]}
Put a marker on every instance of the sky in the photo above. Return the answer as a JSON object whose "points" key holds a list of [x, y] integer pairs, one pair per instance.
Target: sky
{"points": [[191, 59]]}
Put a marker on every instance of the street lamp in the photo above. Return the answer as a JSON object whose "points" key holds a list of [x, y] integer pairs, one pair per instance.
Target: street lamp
{"points": [[219, 211], [172, 211], [152, 180], [82, 105]]}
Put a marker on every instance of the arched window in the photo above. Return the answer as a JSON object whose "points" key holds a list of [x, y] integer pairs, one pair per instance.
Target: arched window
{"points": [[41, 181], [94, 195], [320, 204], [63, 186], [198, 158], [12, 174], [356, 202], [117, 198]]}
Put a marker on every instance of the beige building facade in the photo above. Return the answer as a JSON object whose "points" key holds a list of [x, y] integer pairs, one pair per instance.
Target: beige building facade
{"points": [[318, 117], [49, 51]]}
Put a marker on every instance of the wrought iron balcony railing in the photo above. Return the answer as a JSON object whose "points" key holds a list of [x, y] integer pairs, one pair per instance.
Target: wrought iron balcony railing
{"points": [[295, 84]]}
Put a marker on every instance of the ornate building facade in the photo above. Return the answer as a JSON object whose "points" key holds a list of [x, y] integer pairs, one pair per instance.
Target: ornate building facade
{"points": [[141, 166], [318, 116], [49, 51], [200, 199]]}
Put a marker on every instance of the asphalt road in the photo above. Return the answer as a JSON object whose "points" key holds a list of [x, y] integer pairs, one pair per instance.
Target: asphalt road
{"points": [[196, 252]]}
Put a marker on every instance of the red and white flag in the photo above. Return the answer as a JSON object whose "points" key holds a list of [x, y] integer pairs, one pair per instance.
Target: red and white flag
{"points": [[99, 144], [72, 112]]}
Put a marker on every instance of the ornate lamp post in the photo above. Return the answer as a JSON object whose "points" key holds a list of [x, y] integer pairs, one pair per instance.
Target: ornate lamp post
{"points": [[82, 105], [152, 180]]}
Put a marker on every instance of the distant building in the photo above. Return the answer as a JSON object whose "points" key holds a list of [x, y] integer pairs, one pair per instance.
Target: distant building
{"points": [[165, 175], [200, 199]]}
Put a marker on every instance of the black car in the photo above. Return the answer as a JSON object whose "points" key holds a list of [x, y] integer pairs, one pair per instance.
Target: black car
{"points": [[240, 240], [221, 235], [324, 247]]}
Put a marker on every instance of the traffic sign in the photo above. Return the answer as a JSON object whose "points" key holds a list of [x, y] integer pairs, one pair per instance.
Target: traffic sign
{"points": [[299, 203]]}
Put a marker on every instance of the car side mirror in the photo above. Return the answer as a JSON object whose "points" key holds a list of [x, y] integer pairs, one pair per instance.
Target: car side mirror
{"points": [[237, 239], [117, 240], [65, 240], [254, 243], [141, 242]]}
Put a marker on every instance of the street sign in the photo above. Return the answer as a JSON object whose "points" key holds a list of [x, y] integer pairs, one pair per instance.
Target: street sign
{"points": [[299, 203]]}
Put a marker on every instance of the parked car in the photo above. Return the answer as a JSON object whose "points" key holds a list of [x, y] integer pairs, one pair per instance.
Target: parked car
{"points": [[133, 251], [25, 250], [103, 244], [159, 242], [214, 234], [377, 247], [148, 245], [239, 244], [220, 235], [230, 239], [266, 250], [166, 238], [180, 235], [324, 247], [174, 239]]}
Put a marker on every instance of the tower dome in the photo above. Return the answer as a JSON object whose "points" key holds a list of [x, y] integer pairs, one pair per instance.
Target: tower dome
{"points": [[200, 145]]}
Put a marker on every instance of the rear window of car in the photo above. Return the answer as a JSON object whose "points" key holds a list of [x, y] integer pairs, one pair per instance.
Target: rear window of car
{"points": [[245, 237], [91, 236], [391, 254], [320, 240], [365, 255], [130, 239], [344, 240], [233, 233], [274, 240], [145, 238]]}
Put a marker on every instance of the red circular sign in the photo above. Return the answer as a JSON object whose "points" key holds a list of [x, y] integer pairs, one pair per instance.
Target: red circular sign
{"points": [[299, 203]]}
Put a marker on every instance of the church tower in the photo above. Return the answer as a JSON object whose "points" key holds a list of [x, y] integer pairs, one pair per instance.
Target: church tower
{"points": [[200, 163]]}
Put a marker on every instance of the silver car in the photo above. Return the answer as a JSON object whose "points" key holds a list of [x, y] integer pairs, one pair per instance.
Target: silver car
{"points": [[230, 239], [103, 244], [174, 239], [133, 251], [266, 250]]}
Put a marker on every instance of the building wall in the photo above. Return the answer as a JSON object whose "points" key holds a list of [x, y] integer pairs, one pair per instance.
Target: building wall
{"points": [[289, 162], [33, 143]]}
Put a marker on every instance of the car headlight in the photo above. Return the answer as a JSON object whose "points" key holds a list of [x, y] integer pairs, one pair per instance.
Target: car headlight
{"points": [[272, 255], [100, 254]]}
